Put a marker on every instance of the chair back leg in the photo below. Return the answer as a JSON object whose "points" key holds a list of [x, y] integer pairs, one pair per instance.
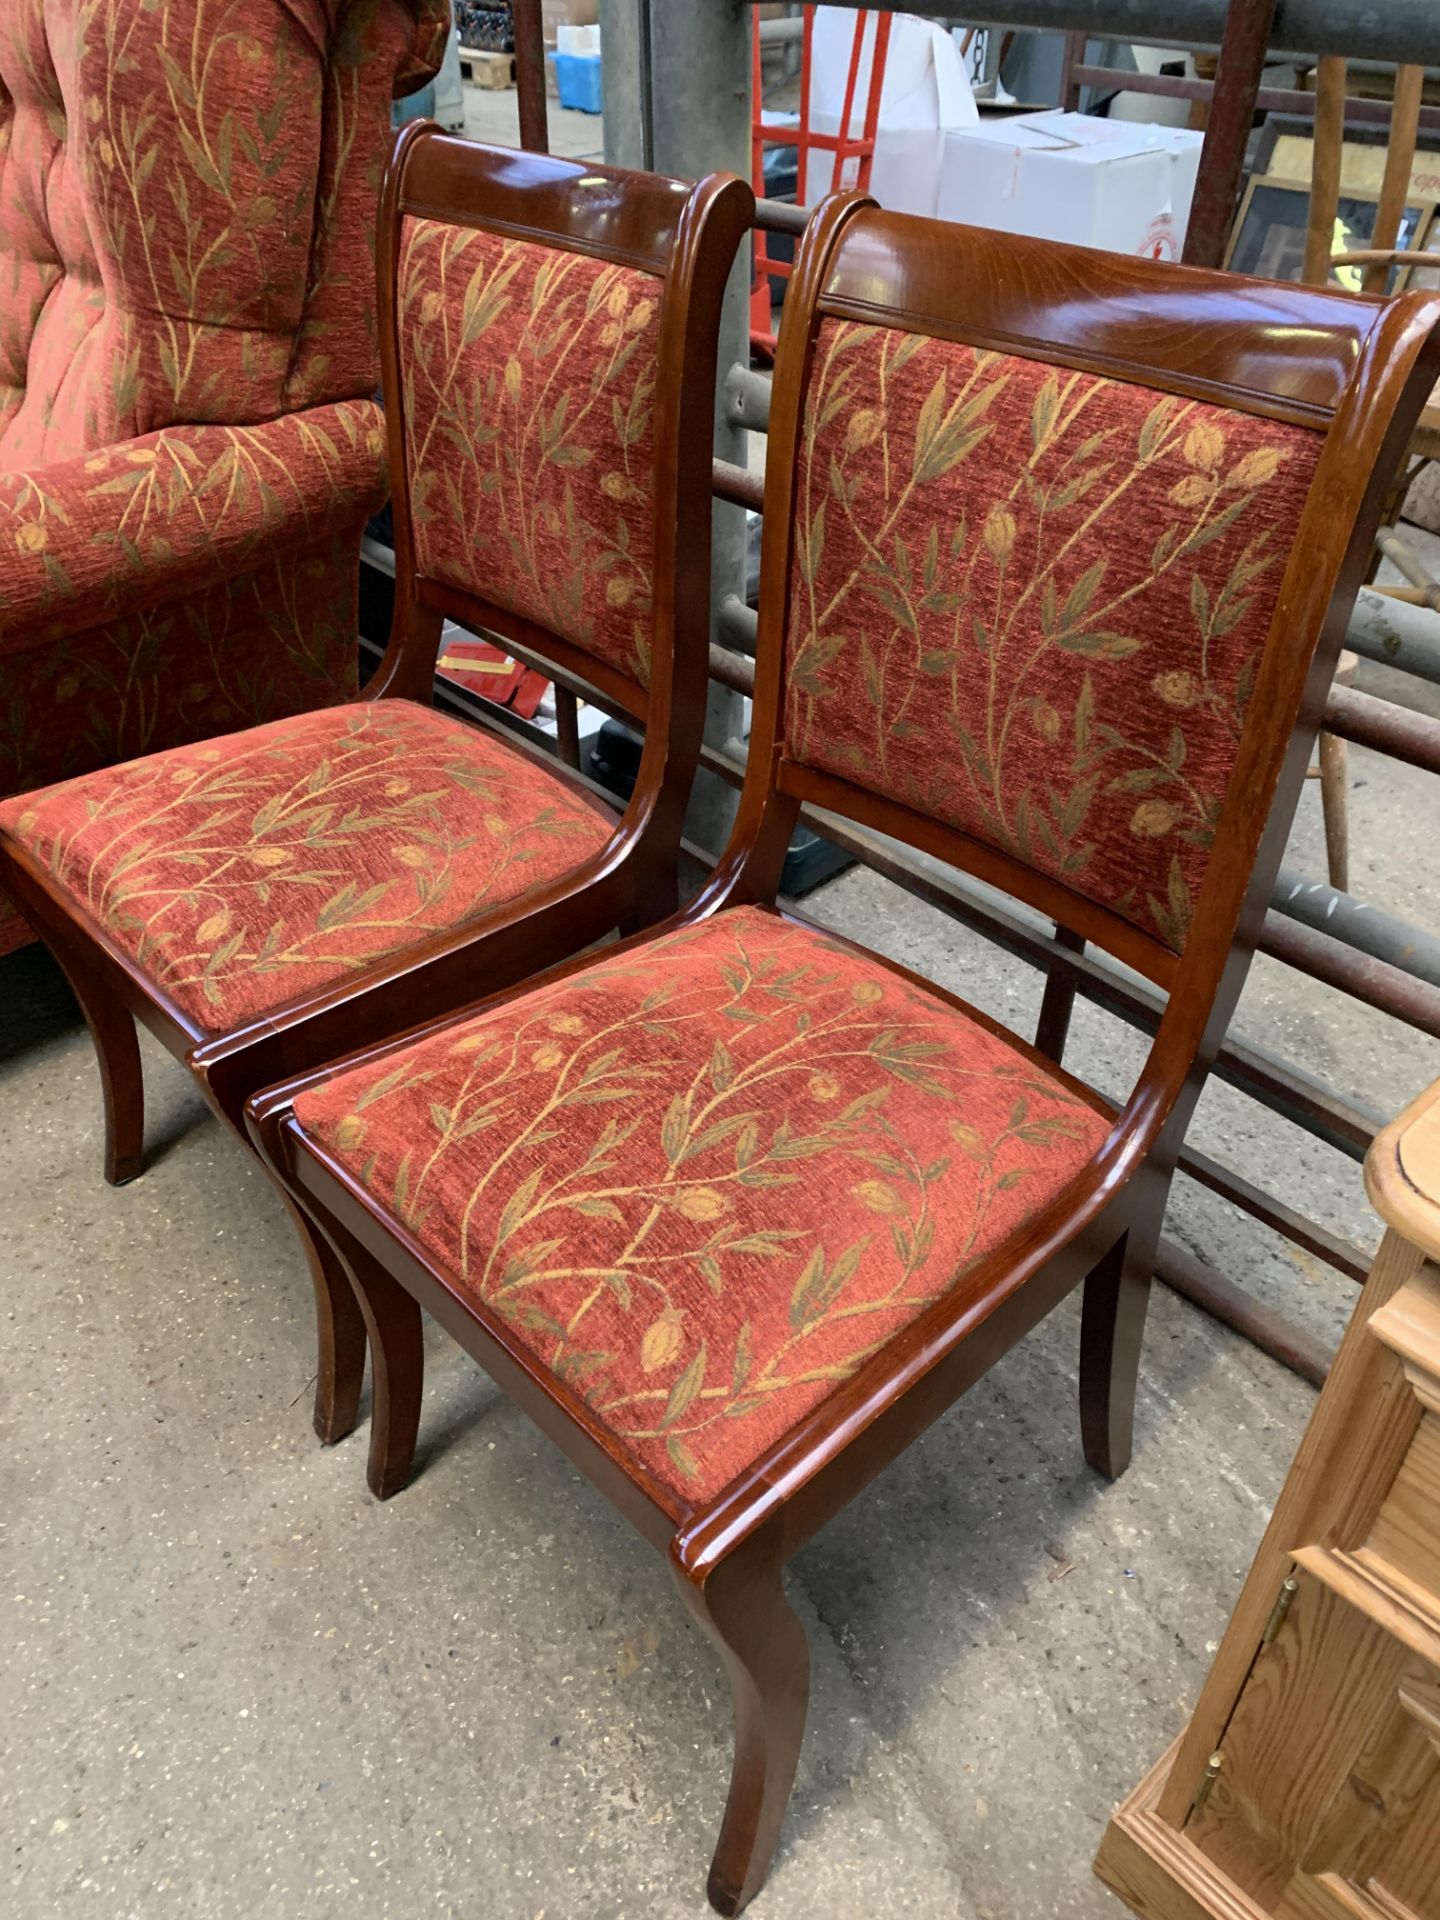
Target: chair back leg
{"points": [[1112, 1328]]}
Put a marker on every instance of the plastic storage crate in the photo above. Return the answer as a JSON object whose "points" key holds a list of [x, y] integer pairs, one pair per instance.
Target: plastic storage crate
{"points": [[577, 75]]}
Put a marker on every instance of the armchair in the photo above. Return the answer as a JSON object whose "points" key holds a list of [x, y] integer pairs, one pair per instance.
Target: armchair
{"points": [[188, 447]]}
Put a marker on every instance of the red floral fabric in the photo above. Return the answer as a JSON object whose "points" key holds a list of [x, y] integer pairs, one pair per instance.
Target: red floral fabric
{"points": [[529, 384], [199, 579], [187, 209], [279, 638], [187, 198], [89, 541], [704, 1181], [252, 869], [1031, 603]]}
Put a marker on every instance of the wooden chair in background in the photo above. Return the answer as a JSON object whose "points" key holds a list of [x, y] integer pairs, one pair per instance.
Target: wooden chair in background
{"points": [[268, 899], [1059, 550], [1333, 759]]}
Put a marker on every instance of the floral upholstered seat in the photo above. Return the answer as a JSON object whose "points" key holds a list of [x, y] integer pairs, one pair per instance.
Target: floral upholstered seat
{"points": [[705, 1180], [245, 871]]}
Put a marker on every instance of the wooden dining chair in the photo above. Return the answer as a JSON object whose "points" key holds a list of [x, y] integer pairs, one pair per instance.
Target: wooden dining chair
{"points": [[1059, 548], [266, 900]]}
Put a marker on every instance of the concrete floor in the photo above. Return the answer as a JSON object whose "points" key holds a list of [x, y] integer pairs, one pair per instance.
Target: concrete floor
{"points": [[239, 1689], [237, 1686], [495, 116]]}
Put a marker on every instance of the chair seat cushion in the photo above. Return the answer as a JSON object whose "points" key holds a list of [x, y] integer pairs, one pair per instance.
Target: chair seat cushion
{"points": [[704, 1181], [246, 871]]}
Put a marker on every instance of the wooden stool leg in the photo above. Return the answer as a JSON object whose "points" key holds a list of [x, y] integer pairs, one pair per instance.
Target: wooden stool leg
{"points": [[1334, 755], [1112, 1327], [397, 1366], [1334, 803], [742, 1606], [339, 1332]]}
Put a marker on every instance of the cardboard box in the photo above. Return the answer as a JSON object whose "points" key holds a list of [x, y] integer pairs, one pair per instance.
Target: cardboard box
{"points": [[555, 14], [1117, 185], [926, 92]]}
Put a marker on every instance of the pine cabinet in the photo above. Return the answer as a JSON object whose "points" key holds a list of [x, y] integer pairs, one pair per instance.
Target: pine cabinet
{"points": [[1307, 1785]]}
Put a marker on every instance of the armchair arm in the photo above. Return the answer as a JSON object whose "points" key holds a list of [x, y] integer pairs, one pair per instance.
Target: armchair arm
{"points": [[88, 541]]}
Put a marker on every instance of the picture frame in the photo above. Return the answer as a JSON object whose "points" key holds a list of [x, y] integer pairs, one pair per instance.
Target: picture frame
{"points": [[1284, 144], [1268, 236]]}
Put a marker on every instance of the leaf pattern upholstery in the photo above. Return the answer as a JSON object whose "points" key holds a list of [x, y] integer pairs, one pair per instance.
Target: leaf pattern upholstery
{"points": [[701, 1182], [100, 536], [529, 377], [251, 869], [187, 211], [1030, 603], [277, 637], [187, 207]]}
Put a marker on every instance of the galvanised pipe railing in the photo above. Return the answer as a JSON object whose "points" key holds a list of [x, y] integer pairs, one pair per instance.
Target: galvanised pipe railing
{"points": [[1391, 30]]}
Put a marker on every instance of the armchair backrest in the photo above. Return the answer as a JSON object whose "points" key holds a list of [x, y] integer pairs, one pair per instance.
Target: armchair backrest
{"points": [[1059, 548], [187, 209]]}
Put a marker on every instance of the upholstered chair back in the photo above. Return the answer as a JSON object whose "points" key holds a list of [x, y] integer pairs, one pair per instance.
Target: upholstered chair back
{"points": [[539, 482], [187, 209], [1028, 599]]}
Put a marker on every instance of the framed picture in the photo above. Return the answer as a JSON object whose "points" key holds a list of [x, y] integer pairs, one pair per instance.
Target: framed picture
{"points": [[1285, 144], [1268, 238]]}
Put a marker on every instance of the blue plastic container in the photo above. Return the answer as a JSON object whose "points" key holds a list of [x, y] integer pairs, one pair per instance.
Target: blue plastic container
{"points": [[577, 75]]}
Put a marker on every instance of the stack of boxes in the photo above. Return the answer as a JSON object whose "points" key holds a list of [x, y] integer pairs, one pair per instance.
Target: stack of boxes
{"points": [[572, 51]]}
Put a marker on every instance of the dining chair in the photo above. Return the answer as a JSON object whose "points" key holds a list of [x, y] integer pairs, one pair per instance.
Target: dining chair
{"points": [[265, 900], [1058, 552]]}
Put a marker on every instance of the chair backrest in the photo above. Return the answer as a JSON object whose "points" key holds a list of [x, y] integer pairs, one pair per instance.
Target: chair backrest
{"points": [[1051, 540], [187, 197], [548, 336]]}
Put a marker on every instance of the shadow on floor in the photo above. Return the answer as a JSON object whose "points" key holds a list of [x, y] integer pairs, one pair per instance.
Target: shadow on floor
{"points": [[36, 1005], [37, 1009]]}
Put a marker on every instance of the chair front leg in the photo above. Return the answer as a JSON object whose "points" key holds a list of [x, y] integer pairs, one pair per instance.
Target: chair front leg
{"points": [[339, 1331], [397, 1366], [111, 1024], [1112, 1328], [742, 1606], [117, 1054]]}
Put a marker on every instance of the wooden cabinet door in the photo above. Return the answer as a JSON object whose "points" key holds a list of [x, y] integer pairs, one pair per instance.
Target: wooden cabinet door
{"points": [[1327, 1802]]}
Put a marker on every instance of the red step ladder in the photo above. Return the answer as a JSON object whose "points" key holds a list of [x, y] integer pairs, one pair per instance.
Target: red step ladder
{"points": [[845, 147]]}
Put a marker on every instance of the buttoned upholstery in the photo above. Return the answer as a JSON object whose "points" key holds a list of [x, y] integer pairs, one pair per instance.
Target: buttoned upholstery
{"points": [[187, 214]]}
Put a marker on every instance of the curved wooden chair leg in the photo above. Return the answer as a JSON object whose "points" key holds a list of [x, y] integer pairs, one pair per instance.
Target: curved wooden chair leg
{"points": [[397, 1366], [122, 1083], [339, 1332], [1112, 1328], [742, 1606]]}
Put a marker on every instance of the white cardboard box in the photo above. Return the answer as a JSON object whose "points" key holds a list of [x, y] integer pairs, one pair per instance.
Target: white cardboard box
{"points": [[926, 91], [1067, 176]]}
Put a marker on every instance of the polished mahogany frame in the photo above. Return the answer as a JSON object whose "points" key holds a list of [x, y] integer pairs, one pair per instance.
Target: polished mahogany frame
{"points": [[1357, 371], [686, 236]]}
